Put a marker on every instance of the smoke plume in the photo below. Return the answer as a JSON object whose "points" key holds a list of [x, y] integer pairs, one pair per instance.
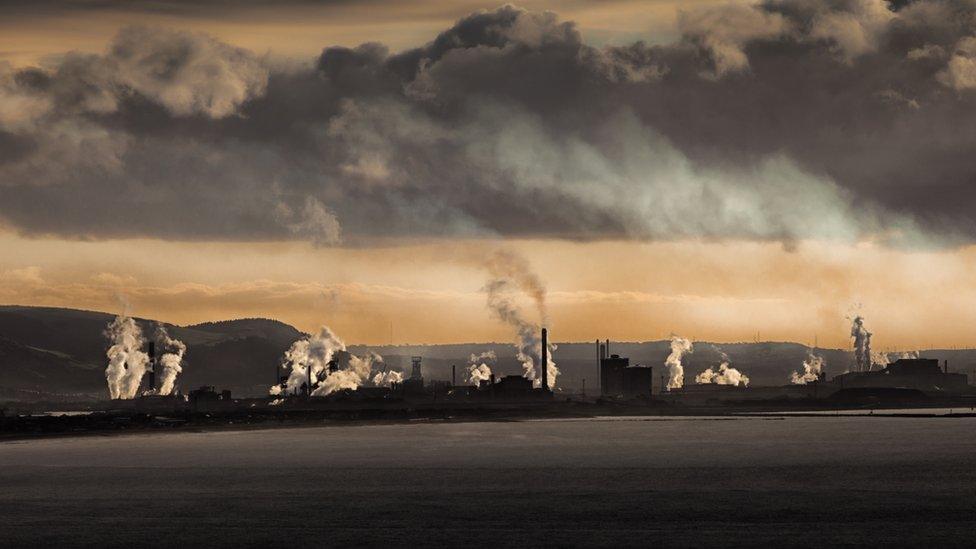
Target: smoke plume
{"points": [[126, 361], [313, 354], [310, 355], [351, 377], [171, 360], [506, 264], [676, 372], [723, 375], [387, 378], [509, 274], [862, 345], [812, 368], [879, 360], [479, 368]]}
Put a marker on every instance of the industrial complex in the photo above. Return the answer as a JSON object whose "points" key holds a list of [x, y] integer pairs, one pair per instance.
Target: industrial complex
{"points": [[909, 381], [318, 380]]}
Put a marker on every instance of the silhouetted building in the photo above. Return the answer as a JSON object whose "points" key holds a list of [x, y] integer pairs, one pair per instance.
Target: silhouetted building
{"points": [[619, 379], [637, 381], [512, 387], [438, 386], [922, 374], [207, 393], [611, 375]]}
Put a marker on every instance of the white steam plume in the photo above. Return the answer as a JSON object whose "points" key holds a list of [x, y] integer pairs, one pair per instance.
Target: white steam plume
{"points": [[510, 272], [812, 368], [351, 377], [479, 368], [171, 360], [880, 360], [676, 372], [723, 375], [126, 361], [387, 378], [313, 354], [862, 345]]}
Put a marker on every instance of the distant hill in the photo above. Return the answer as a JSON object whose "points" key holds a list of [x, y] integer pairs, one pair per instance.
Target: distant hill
{"points": [[263, 328], [48, 352], [54, 352]]}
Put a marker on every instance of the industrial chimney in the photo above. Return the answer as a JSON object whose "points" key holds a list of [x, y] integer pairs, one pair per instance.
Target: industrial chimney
{"points": [[416, 372], [308, 384], [545, 359]]}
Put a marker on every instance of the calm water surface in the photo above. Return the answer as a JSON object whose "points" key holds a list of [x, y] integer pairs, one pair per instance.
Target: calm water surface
{"points": [[799, 481]]}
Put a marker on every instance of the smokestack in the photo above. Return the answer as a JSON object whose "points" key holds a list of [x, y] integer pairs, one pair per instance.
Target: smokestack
{"points": [[453, 375], [608, 346], [603, 352], [946, 364], [545, 359], [308, 382], [152, 365]]}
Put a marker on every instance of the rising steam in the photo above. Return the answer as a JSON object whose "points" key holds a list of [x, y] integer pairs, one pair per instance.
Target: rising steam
{"points": [[313, 355], [355, 374], [510, 272], [676, 372], [171, 360], [862, 345], [505, 264], [387, 378], [723, 375], [479, 368], [309, 356], [812, 369], [126, 361]]}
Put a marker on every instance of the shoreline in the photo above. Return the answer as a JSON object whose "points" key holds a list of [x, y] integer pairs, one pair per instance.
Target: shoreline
{"points": [[120, 423]]}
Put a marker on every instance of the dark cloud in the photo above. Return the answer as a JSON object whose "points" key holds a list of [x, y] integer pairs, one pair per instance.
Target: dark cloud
{"points": [[184, 8], [787, 120]]}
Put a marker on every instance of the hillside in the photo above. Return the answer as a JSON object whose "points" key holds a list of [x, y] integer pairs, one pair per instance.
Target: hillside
{"points": [[50, 352], [60, 353]]}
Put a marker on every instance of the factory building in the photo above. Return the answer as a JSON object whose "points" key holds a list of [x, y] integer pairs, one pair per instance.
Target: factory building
{"points": [[923, 374], [618, 379], [415, 383]]}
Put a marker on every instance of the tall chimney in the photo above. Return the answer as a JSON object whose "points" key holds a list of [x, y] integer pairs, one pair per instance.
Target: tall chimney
{"points": [[544, 364], [152, 365], [453, 375], [608, 347], [308, 383]]}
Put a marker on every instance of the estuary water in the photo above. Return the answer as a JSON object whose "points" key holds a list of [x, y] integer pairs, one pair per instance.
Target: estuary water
{"points": [[751, 481]]}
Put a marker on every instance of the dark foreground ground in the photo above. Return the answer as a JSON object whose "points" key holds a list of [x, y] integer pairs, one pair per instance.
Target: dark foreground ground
{"points": [[779, 482]]}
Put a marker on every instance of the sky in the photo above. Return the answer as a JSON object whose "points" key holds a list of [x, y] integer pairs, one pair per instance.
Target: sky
{"points": [[726, 171]]}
